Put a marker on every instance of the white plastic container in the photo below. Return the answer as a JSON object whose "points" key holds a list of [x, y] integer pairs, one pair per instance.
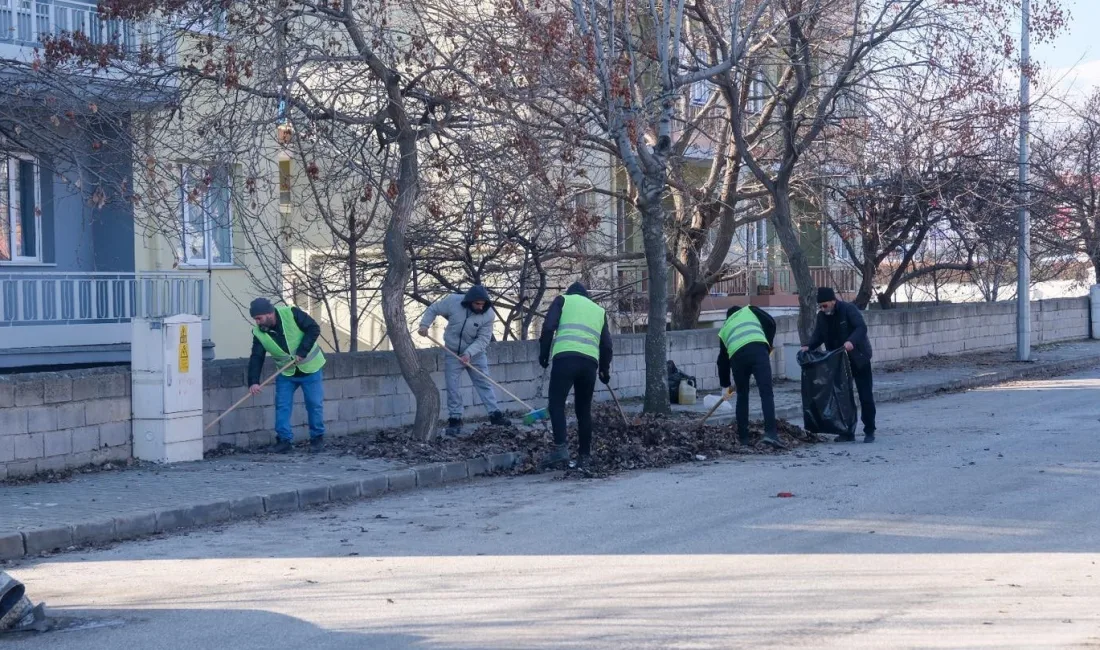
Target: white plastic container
{"points": [[687, 392], [710, 400]]}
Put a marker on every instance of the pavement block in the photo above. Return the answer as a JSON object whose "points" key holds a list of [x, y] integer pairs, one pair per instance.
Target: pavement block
{"points": [[477, 466], [400, 480], [94, 532], [44, 540], [313, 496], [455, 471], [246, 507], [11, 546], [174, 519], [502, 462], [210, 513], [429, 475], [281, 502], [375, 486], [349, 491]]}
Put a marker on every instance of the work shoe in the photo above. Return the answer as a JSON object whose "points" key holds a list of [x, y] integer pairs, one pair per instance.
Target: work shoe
{"points": [[584, 461], [454, 427], [869, 436], [773, 440], [557, 459], [744, 439], [317, 444], [282, 447], [846, 437], [497, 418]]}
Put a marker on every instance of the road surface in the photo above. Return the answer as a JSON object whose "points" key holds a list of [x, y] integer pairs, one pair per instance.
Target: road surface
{"points": [[973, 522]]}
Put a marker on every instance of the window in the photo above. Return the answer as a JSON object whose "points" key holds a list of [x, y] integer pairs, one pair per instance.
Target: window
{"points": [[285, 184], [20, 210], [757, 244], [625, 220], [207, 215], [701, 90]]}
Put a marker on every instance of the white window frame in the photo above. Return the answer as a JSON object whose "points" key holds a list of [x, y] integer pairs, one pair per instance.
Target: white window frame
{"points": [[14, 205], [758, 238], [186, 214]]}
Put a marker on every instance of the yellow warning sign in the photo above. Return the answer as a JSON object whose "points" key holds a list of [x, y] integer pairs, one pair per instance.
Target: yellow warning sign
{"points": [[184, 364]]}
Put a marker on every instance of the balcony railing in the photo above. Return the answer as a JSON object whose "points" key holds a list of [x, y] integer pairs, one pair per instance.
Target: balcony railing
{"points": [[29, 22], [84, 309]]}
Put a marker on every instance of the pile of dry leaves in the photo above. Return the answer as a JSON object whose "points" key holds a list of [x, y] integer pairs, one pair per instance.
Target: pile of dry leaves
{"points": [[644, 441]]}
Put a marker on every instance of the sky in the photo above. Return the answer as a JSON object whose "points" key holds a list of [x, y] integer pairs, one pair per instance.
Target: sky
{"points": [[1073, 60]]}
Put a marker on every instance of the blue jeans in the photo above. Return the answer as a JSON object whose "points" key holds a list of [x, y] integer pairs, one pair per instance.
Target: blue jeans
{"points": [[452, 372], [313, 390]]}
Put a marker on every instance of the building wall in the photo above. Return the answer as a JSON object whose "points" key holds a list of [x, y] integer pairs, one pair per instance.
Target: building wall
{"points": [[55, 420]]}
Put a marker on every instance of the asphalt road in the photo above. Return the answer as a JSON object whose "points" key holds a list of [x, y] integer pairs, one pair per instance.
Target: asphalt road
{"points": [[973, 522]]}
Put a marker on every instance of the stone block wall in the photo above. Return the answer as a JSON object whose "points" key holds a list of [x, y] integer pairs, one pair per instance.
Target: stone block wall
{"points": [[55, 420], [67, 419]]}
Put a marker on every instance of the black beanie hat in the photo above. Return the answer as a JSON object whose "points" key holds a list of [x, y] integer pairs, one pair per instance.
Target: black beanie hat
{"points": [[261, 306], [825, 294]]}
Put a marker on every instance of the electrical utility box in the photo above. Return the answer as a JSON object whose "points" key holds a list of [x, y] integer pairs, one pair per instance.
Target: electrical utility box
{"points": [[166, 370]]}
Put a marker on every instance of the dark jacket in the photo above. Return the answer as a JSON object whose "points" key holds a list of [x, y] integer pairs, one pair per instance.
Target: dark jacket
{"points": [[310, 333], [550, 326], [846, 324], [766, 322]]}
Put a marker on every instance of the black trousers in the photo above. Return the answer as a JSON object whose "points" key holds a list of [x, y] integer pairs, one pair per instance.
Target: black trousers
{"points": [[865, 386], [753, 361], [579, 374]]}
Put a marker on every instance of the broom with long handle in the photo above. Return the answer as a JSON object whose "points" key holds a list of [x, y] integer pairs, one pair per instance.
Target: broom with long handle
{"points": [[249, 395]]}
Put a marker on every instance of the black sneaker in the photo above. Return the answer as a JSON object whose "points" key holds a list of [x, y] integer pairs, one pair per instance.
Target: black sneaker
{"points": [[744, 440], [773, 441], [584, 461], [869, 436], [497, 418], [282, 447], [557, 459], [317, 444], [847, 437], [454, 426]]}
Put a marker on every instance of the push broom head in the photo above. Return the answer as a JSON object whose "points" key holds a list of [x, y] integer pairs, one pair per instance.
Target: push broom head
{"points": [[538, 415]]}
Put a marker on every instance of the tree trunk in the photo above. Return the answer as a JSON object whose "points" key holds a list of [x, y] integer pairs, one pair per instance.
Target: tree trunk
{"points": [[687, 304], [393, 292], [866, 285], [656, 341], [800, 268]]}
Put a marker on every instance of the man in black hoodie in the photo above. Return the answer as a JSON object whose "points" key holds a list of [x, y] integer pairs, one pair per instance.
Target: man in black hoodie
{"points": [[576, 337], [840, 325], [744, 347]]}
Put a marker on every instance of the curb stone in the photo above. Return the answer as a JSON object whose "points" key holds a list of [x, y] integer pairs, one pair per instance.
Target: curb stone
{"points": [[18, 544]]}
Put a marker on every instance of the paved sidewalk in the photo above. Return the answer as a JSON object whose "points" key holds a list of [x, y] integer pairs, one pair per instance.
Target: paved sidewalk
{"points": [[113, 505]]}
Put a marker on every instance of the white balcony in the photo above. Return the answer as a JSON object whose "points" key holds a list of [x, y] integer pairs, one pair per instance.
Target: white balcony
{"points": [[24, 24], [83, 318]]}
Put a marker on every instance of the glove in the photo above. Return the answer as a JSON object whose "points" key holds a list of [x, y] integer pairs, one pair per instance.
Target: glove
{"points": [[605, 377], [544, 362]]}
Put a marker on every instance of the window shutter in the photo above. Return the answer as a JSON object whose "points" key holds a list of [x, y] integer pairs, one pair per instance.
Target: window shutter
{"points": [[49, 237]]}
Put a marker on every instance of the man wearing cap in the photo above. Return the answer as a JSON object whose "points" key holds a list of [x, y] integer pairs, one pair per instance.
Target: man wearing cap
{"points": [[289, 335], [744, 348], [841, 325], [576, 337]]}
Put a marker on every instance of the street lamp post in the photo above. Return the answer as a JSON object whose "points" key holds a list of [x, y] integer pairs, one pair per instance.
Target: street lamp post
{"points": [[1023, 261]]}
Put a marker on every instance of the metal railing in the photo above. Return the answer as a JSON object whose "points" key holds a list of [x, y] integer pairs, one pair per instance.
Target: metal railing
{"points": [[29, 22], [87, 298]]}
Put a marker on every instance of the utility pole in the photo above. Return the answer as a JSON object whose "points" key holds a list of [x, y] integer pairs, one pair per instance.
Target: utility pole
{"points": [[1023, 261]]}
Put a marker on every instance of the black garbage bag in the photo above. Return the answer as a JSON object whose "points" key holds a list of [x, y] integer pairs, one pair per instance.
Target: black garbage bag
{"points": [[828, 405], [674, 379]]}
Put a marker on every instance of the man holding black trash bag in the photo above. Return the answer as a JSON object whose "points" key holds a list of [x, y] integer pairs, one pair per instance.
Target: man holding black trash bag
{"points": [[841, 325], [744, 348]]}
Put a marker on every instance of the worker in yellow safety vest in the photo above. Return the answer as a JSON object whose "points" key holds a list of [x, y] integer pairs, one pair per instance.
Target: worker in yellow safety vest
{"points": [[745, 343], [289, 335], [576, 337]]}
